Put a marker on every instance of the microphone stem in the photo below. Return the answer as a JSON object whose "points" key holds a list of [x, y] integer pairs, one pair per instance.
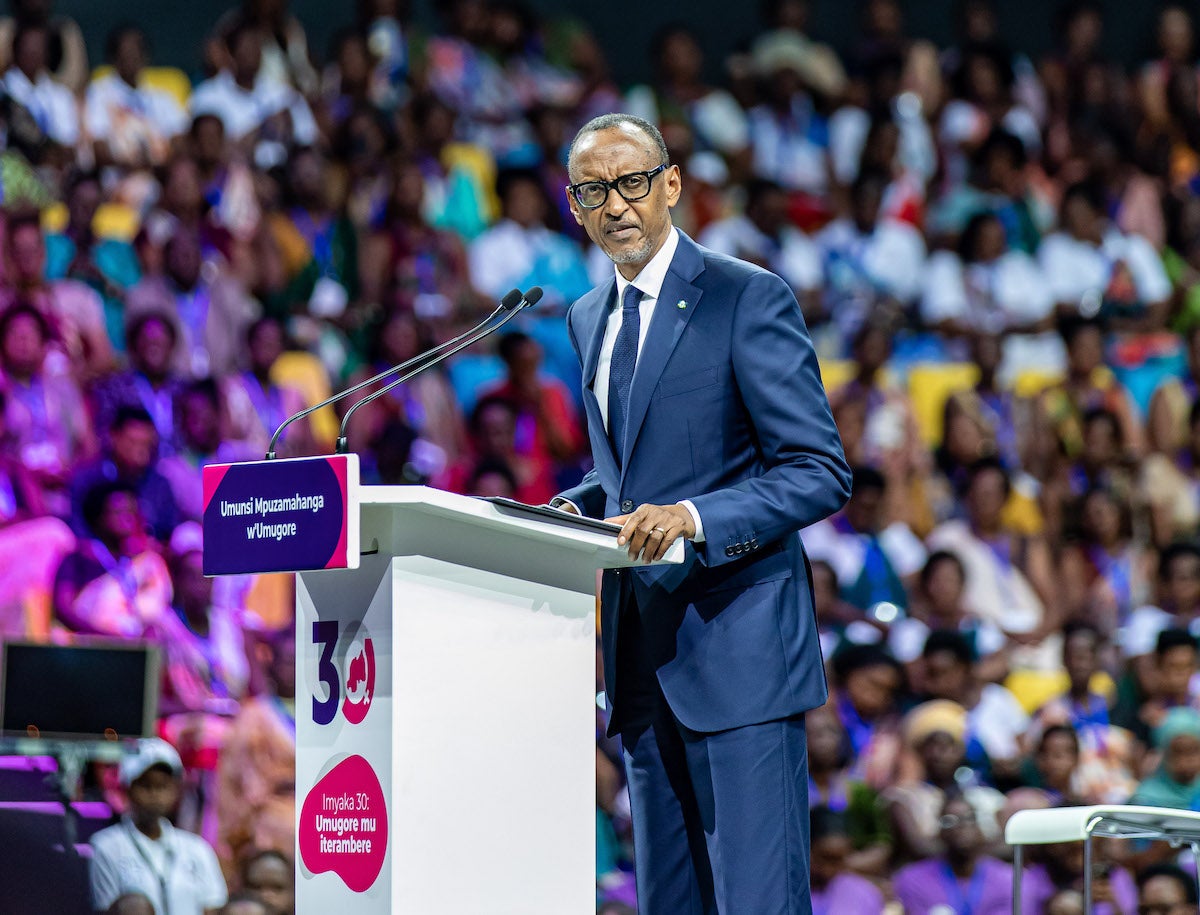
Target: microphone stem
{"points": [[408, 363], [342, 444]]}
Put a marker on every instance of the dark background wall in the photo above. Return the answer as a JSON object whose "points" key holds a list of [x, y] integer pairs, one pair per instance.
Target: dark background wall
{"points": [[624, 27]]}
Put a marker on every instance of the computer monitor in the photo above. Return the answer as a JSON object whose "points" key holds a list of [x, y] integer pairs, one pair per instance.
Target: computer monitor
{"points": [[94, 692]]}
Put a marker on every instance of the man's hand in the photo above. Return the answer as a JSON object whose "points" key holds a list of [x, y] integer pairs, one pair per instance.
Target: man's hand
{"points": [[651, 529]]}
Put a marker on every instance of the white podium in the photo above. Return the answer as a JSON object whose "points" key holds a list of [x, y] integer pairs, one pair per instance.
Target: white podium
{"points": [[445, 712]]}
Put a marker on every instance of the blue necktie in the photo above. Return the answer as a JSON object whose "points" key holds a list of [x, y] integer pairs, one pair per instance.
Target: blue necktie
{"points": [[620, 371]]}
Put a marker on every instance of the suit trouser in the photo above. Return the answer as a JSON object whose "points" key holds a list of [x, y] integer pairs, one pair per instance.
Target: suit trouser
{"points": [[720, 820]]}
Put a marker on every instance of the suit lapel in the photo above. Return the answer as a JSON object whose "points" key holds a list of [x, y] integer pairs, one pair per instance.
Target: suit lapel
{"points": [[676, 303], [593, 321]]}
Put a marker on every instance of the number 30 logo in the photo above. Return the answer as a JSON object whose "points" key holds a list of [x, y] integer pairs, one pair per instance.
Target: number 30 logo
{"points": [[358, 664]]}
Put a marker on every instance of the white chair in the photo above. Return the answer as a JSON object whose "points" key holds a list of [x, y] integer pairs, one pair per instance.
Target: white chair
{"points": [[1083, 824]]}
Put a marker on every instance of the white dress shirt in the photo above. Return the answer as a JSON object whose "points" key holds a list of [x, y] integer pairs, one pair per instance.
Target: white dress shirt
{"points": [[131, 117], [242, 112], [992, 297], [650, 282], [793, 255], [179, 865], [793, 150], [1077, 270], [50, 104], [860, 267], [508, 255]]}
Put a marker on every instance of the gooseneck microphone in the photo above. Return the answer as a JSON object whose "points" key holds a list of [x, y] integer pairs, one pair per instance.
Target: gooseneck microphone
{"points": [[511, 303], [528, 300]]}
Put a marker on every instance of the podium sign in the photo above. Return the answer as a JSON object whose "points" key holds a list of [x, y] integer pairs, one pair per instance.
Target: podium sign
{"points": [[281, 516], [344, 758]]}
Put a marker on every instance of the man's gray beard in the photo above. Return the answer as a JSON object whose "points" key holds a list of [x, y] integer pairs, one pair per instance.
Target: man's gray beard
{"points": [[634, 255]]}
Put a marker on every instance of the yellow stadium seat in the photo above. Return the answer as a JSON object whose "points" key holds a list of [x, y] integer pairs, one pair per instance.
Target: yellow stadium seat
{"points": [[1034, 688], [930, 384], [305, 373], [112, 220], [1022, 514], [117, 221], [479, 163], [54, 218], [1031, 382], [836, 372], [170, 80]]}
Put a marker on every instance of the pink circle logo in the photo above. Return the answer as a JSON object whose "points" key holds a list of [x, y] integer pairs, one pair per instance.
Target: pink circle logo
{"points": [[359, 665], [343, 825]]}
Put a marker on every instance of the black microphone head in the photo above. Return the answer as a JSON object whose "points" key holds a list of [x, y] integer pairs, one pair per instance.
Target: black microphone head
{"points": [[533, 296], [512, 299]]}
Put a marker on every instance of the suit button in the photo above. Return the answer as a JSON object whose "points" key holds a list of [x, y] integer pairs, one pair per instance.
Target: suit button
{"points": [[739, 549], [627, 506], [754, 544], [728, 551]]}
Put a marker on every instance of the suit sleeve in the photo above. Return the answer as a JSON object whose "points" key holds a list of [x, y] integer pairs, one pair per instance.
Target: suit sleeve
{"points": [[805, 476], [588, 496]]}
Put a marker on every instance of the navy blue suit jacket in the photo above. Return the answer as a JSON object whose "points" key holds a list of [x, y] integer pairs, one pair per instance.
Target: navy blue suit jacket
{"points": [[726, 409]]}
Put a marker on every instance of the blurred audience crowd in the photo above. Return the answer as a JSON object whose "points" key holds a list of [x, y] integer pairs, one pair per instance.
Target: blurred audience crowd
{"points": [[999, 260]]}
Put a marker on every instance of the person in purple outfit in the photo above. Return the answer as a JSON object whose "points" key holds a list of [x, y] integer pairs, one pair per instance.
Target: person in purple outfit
{"points": [[963, 880], [834, 887], [1113, 889]]}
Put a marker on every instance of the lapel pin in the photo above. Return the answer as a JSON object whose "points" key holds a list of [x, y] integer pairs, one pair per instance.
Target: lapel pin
{"points": [[681, 304]]}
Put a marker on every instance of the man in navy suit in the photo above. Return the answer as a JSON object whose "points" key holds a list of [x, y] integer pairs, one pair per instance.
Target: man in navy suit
{"points": [[707, 421]]}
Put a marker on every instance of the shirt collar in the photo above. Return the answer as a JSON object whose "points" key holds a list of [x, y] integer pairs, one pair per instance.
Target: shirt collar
{"points": [[120, 85], [228, 84], [165, 841], [654, 274]]}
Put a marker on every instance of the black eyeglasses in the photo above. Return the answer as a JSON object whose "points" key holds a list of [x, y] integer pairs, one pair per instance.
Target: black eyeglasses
{"points": [[634, 186]]}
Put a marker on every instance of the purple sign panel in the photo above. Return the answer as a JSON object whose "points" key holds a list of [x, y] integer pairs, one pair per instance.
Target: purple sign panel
{"points": [[281, 516]]}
